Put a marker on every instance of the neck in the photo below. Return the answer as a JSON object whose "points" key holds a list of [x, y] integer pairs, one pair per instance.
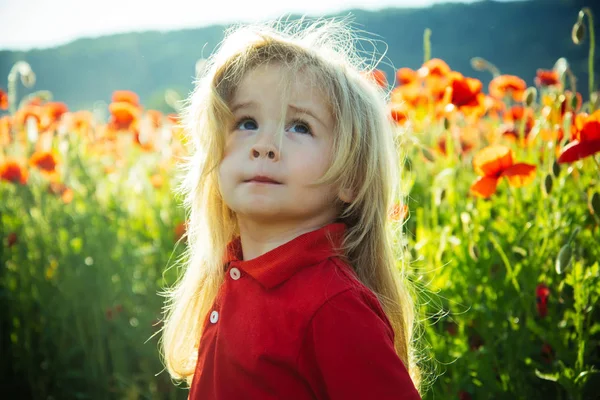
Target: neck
{"points": [[258, 238]]}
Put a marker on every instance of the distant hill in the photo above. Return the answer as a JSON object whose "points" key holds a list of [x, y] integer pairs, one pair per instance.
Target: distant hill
{"points": [[518, 37]]}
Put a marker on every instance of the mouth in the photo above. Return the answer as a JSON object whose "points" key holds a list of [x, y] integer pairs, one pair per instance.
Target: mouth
{"points": [[262, 179]]}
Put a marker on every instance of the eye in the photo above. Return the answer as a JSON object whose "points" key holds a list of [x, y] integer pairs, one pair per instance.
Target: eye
{"points": [[301, 127], [246, 123]]}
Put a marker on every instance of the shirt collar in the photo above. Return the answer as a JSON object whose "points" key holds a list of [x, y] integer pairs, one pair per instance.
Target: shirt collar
{"points": [[279, 264]]}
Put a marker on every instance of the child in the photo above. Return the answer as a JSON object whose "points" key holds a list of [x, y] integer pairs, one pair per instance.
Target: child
{"points": [[291, 290]]}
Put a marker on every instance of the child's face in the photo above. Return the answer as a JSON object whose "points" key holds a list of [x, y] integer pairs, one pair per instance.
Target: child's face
{"points": [[252, 149]]}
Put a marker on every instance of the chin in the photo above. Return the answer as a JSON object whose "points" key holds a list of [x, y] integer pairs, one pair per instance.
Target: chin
{"points": [[259, 209]]}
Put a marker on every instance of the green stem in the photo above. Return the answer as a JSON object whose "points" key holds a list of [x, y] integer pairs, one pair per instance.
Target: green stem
{"points": [[427, 45], [588, 13], [509, 269], [597, 163]]}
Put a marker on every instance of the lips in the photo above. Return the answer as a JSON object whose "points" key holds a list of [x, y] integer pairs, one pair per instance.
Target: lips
{"points": [[263, 179]]}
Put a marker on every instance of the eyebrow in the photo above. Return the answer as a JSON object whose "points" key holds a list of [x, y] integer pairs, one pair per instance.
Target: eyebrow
{"points": [[298, 109]]}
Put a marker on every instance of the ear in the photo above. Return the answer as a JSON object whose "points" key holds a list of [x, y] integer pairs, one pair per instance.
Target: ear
{"points": [[346, 195]]}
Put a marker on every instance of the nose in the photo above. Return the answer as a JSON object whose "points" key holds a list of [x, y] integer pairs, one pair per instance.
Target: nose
{"points": [[264, 149]]}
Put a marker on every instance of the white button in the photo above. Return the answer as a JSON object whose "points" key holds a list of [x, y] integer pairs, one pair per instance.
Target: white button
{"points": [[214, 317], [234, 273]]}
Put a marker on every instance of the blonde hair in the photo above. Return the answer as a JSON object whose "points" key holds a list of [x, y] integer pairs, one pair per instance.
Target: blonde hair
{"points": [[365, 159]]}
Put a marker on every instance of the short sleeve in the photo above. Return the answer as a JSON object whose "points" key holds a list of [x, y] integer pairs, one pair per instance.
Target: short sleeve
{"points": [[348, 352]]}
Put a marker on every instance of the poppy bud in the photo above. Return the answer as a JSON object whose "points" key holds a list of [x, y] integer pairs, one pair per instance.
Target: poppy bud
{"points": [[478, 63], [474, 252], [548, 184], [427, 154], [556, 168], [530, 96], [446, 123], [594, 99], [574, 102], [561, 65], [578, 32], [564, 258], [595, 203], [28, 79]]}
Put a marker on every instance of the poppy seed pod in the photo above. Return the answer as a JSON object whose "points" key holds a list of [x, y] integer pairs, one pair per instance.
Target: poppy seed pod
{"points": [[556, 168], [595, 203], [530, 96], [564, 259], [578, 32], [548, 184]]}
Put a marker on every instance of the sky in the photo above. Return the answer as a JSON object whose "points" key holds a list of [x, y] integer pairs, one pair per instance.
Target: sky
{"points": [[26, 24]]}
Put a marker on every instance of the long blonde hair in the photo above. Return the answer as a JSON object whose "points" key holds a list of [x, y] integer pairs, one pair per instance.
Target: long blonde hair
{"points": [[365, 159]]}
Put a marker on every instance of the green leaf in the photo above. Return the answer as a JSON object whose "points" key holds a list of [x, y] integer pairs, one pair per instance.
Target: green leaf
{"points": [[547, 376], [564, 259], [585, 375]]}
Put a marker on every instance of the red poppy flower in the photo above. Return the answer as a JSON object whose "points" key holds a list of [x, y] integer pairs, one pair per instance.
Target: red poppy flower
{"points": [[464, 395], [399, 212], [516, 114], [465, 94], [475, 341], [126, 96], [434, 68], [5, 127], [3, 100], [44, 160], [547, 78], [26, 112], [504, 85], [11, 240], [60, 189], [541, 298], [173, 118], [494, 107], [155, 117], [411, 94], [547, 353], [123, 115], [465, 146], [13, 171], [398, 112], [586, 141], [494, 162], [378, 76], [452, 328], [51, 113], [406, 75], [180, 230]]}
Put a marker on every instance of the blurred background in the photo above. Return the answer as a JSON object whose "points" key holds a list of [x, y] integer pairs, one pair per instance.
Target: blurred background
{"points": [[495, 104], [82, 51]]}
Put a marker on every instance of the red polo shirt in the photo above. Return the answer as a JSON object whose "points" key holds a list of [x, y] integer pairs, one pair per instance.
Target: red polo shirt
{"points": [[296, 323]]}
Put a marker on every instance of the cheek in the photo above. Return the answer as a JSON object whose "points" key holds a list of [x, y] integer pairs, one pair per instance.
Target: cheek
{"points": [[312, 164], [226, 171]]}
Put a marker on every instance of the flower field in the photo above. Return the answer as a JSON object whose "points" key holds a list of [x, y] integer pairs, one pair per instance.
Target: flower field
{"points": [[502, 224]]}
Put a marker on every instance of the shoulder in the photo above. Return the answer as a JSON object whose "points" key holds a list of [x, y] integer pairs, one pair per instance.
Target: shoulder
{"points": [[341, 297], [330, 278]]}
